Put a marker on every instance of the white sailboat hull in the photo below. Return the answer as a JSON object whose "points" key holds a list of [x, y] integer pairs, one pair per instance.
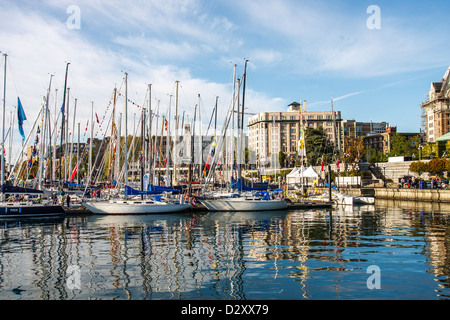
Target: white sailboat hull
{"points": [[242, 204], [134, 207]]}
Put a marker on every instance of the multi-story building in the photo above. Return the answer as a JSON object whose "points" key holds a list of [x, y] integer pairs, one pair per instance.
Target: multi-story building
{"points": [[382, 142], [436, 109], [272, 132], [355, 129]]}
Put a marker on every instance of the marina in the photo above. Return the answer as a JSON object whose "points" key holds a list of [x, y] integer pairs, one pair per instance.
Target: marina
{"points": [[307, 254], [198, 151]]}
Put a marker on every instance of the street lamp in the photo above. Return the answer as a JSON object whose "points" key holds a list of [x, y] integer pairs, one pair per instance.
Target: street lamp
{"points": [[384, 174]]}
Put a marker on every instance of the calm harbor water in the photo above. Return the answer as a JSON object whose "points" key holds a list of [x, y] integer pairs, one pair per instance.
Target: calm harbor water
{"points": [[386, 251]]}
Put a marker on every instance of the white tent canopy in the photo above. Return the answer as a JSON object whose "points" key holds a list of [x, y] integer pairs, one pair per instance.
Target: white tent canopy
{"points": [[295, 175], [310, 173]]}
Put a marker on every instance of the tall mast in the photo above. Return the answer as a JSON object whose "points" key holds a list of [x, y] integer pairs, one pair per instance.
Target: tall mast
{"points": [[200, 142], [160, 148], [118, 149], [66, 142], [54, 143], [169, 180], [143, 150], [44, 131], [11, 125], [335, 135], [150, 142], [62, 125], [236, 149], [78, 155], [155, 152], [215, 117], [92, 136], [240, 134], [175, 145], [125, 150], [231, 143], [113, 139], [191, 163], [3, 131], [73, 137]]}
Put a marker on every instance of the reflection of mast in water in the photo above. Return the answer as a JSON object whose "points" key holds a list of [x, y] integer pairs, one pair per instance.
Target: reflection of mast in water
{"points": [[297, 237], [114, 254], [145, 265], [227, 259], [240, 264], [125, 264]]}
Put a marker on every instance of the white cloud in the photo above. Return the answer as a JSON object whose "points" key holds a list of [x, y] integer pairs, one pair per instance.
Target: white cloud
{"points": [[333, 37], [39, 43]]}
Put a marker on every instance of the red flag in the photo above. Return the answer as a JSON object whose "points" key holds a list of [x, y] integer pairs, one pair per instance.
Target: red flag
{"points": [[166, 123], [337, 164], [322, 166], [97, 117], [74, 172]]}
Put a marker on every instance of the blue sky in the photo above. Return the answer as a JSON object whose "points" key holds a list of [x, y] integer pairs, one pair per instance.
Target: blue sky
{"points": [[297, 50]]}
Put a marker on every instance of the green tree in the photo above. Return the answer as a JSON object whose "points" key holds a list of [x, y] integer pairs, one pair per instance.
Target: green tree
{"points": [[281, 158], [317, 145], [375, 156], [246, 156], [400, 146]]}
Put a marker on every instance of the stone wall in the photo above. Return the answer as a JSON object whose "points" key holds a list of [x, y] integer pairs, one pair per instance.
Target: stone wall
{"points": [[405, 194], [427, 195]]}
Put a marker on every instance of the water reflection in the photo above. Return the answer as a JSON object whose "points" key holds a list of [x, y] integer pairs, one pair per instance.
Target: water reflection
{"points": [[310, 254]]}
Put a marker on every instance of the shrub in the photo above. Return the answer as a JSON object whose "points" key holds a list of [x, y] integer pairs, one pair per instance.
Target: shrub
{"points": [[418, 167], [436, 166]]}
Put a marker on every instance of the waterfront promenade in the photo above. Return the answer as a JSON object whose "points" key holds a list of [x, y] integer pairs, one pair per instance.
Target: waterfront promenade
{"points": [[390, 193]]}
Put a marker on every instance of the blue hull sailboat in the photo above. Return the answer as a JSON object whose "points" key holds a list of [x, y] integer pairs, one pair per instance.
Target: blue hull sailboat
{"points": [[21, 210], [25, 210]]}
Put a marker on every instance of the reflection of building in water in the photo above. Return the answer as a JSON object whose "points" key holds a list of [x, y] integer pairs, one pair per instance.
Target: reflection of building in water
{"points": [[192, 257]]}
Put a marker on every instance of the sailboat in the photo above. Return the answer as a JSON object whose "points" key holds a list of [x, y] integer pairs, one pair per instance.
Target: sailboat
{"points": [[244, 203], [261, 201], [22, 210], [120, 206]]}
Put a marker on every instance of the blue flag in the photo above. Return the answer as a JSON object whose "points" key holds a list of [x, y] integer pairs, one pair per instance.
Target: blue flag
{"points": [[20, 117]]}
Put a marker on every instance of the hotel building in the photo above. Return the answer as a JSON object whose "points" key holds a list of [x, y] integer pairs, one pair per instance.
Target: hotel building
{"points": [[436, 109], [272, 132]]}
